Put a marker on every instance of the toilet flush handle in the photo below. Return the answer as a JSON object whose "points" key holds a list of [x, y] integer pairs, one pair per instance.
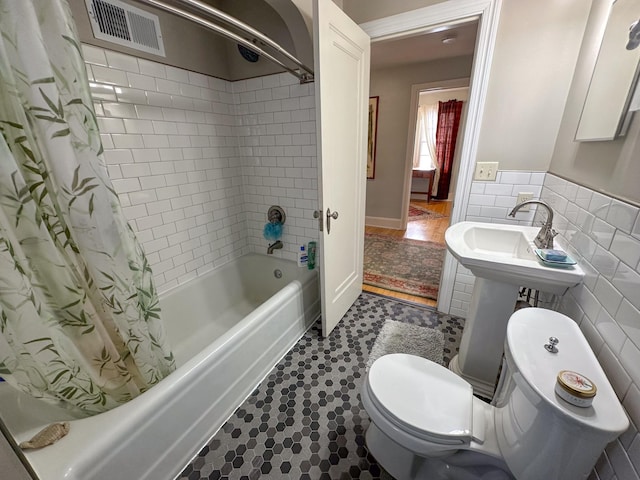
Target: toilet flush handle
{"points": [[551, 346]]}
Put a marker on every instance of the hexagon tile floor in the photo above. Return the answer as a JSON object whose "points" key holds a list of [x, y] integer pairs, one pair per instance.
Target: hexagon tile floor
{"points": [[305, 420]]}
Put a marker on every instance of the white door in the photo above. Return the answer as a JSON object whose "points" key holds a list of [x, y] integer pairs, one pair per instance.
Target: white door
{"points": [[341, 52]]}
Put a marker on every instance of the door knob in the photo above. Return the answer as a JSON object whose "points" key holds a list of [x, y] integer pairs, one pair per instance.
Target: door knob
{"points": [[330, 215]]}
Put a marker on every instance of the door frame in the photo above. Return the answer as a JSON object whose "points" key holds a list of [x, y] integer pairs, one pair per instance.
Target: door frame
{"points": [[422, 21], [416, 90]]}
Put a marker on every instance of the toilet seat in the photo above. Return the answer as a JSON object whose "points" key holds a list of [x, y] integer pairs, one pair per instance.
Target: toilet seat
{"points": [[422, 398]]}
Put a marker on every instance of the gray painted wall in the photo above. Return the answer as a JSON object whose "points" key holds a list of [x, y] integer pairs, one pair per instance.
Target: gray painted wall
{"points": [[186, 44], [192, 47], [613, 166], [264, 18], [299, 28], [534, 59], [393, 86], [366, 10]]}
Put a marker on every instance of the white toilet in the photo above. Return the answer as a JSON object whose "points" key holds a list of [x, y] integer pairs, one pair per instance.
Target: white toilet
{"points": [[426, 423]]}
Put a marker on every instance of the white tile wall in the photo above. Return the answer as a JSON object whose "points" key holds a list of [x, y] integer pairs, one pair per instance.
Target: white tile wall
{"points": [[197, 160], [492, 202], [597, 231], [603, 234], [276, 131]]}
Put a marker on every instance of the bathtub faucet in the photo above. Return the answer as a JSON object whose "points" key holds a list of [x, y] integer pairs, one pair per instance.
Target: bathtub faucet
{"points": [[274, 246], [544, 239]]}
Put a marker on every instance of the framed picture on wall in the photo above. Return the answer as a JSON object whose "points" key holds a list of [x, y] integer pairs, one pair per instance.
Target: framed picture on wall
{"points": [[373, 131]]}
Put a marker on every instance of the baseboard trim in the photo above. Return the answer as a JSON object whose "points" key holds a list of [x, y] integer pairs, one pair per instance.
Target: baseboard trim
{"points": [[384, 222]]}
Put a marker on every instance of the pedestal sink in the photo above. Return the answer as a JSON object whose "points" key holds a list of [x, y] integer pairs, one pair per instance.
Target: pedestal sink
{"points": [[502, 258]]}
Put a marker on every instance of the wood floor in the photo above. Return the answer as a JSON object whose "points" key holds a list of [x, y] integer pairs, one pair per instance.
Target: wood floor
{"points": [[420, 229]]}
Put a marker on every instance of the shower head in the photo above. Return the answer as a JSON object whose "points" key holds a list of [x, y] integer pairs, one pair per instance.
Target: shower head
{"points": [[248, 54]]}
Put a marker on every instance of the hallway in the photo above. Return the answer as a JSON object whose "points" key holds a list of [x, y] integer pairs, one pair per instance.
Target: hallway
{"points": [[422, 228]]}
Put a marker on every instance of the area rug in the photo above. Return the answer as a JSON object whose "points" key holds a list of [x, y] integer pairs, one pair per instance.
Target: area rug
{"points": [[417, 212], [403, 265], [400, 337]]}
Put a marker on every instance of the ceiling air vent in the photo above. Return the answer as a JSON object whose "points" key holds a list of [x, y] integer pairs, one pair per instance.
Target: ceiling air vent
{"points": [[117, 22]]}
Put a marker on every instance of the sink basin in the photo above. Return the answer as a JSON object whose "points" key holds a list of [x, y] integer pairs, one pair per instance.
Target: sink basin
{"points": [[503, 259], [505, 253]]}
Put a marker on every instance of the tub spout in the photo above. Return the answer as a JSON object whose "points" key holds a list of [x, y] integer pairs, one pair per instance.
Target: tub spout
{"points": [[274, 246]]}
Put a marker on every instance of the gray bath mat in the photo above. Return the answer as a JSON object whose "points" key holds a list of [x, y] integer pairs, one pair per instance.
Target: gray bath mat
{"points": [[400, 337]]}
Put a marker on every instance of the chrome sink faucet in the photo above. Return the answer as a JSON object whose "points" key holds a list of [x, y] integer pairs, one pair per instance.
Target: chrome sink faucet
{"points": [[545, 236]]}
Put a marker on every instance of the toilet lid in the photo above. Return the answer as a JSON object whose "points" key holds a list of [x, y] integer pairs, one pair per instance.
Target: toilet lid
{"points": [[423, 397]]}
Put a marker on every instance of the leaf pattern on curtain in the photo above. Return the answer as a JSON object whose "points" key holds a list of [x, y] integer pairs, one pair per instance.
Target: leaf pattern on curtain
{"points": [[79, 313], [449, 114]]}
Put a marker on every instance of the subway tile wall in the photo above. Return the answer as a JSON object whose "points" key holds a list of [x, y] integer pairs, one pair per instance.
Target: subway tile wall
{"points": [[603, 234], [276, 131], [198, 160], [492, 202]]}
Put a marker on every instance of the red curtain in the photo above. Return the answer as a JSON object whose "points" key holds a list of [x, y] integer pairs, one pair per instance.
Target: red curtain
{"points": [[449, 114]]}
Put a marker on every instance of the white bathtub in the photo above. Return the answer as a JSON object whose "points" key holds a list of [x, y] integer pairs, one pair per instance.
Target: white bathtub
{"points": [[227, 329]]}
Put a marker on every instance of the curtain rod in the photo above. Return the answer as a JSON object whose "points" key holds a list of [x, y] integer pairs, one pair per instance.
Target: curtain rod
{"points": [[305, 74], [246, 28]]}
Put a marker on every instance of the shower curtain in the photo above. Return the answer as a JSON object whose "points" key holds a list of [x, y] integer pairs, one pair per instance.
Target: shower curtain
{"points": [[79, 314]]}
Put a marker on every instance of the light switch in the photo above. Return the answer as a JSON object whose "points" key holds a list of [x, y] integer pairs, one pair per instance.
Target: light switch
{"points": [[486, 171]]}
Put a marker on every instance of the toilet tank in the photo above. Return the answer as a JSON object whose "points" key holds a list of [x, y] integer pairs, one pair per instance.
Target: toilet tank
{"points": [[541, 435]]}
